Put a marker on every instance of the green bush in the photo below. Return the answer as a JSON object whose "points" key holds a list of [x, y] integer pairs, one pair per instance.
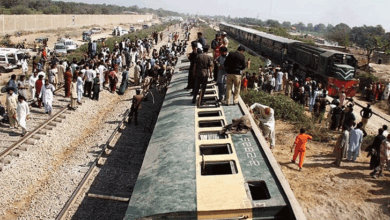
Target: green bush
{"points": [[366, 79], [288, 110], [285, 108]]}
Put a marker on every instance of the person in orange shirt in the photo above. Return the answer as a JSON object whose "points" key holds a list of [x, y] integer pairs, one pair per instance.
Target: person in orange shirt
{"points": [[300, 147]]}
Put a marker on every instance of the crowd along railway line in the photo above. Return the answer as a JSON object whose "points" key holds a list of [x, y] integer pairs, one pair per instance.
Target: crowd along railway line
{"points": [[11, 144]]}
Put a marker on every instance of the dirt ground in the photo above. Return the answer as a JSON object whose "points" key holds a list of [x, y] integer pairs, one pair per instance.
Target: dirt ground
{"points": [[328, 192]]}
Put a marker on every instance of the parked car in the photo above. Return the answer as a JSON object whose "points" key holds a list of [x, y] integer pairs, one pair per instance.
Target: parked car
{"points": [[145, 26], [69, 44], [132, 29], [87, 35], [96, 30], [118, 31], [60, 49]]}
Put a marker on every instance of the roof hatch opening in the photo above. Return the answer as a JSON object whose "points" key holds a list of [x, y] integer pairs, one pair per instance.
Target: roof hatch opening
{"points": [[218, 168]]}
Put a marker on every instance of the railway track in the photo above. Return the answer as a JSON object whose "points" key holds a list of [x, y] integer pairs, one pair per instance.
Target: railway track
{"points": [[91, 170], [12, 145]]}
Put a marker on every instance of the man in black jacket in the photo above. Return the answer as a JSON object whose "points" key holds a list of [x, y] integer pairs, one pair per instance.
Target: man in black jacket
{"points": [[201, 39], [234, 64], [192, 57], [202, 72]]}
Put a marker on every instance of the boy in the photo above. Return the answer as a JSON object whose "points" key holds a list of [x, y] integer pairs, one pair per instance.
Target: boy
{"points": [[300, 147]]}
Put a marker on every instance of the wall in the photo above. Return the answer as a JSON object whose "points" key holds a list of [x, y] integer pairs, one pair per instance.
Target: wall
{"points": [[9, 24]]}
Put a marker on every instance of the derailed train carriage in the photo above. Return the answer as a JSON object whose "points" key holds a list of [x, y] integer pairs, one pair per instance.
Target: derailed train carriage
{"points": [[333, 69], [192, 170]]}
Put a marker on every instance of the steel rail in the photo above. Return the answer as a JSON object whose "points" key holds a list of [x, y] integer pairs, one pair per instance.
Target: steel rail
{"points": [[87, 175]]}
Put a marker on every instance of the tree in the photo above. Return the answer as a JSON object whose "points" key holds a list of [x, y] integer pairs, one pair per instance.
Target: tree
{"points": [[300, 26], [376, 43], [340, 34], [319, 27], [363, 35], [20, 9], [53, 9], [105, 11], [310, 27], [272, 23], [286, 24], [329, 27]]}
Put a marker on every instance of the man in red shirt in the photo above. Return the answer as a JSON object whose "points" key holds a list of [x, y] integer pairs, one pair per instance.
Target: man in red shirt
{"points": [[300, 147]]}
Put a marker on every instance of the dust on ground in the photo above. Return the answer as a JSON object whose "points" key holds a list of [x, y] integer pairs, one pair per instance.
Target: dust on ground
{"points": [[328, 192]]}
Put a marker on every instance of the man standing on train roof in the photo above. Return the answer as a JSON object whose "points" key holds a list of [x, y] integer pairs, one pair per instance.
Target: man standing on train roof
{"points": [[192, 57], [366, 114], [221, 77], [300, 147], [201, 40], [234, 65], [267, 121], [202, 66], [136, 105]]}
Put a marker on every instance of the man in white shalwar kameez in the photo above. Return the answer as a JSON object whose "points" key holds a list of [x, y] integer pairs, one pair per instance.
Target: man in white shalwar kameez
{"points": [[101, 69], [80, 88], [24, 66], [23, 112], [355, 141], [267, 121], [31, 82], [386, 93], [47, 96]]}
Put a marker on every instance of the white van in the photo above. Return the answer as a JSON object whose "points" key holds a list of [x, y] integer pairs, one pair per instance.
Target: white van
{"points": [[69, 44], [8, 61], [20, 54]]}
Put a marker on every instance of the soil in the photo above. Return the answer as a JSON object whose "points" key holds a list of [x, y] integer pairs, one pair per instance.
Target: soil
{"points": [[328, 192]]}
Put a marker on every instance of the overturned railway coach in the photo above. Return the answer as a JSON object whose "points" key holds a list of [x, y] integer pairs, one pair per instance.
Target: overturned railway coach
{"points": [[336, 70]]}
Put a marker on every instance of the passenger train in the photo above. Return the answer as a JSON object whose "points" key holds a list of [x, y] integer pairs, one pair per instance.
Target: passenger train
{"points": [[332, 68]]}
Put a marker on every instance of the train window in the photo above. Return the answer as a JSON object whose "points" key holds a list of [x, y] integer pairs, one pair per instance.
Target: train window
{"points": [[215, 149], [218, 168], [259, 190], [212, 135], [211, 124], [209, 114]]}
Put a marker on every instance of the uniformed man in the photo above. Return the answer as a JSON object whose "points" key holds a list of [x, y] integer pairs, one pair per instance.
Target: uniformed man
{"points": [[136, 105], [192, 57], [202, 70]]}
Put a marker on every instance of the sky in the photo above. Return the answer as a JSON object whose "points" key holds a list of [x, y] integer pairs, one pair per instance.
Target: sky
{"points": [[351, 12]]}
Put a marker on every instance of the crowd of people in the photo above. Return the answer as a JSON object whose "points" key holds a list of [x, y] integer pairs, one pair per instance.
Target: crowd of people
{"points": [[227, 69], [95, 72], [377, 91]]}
